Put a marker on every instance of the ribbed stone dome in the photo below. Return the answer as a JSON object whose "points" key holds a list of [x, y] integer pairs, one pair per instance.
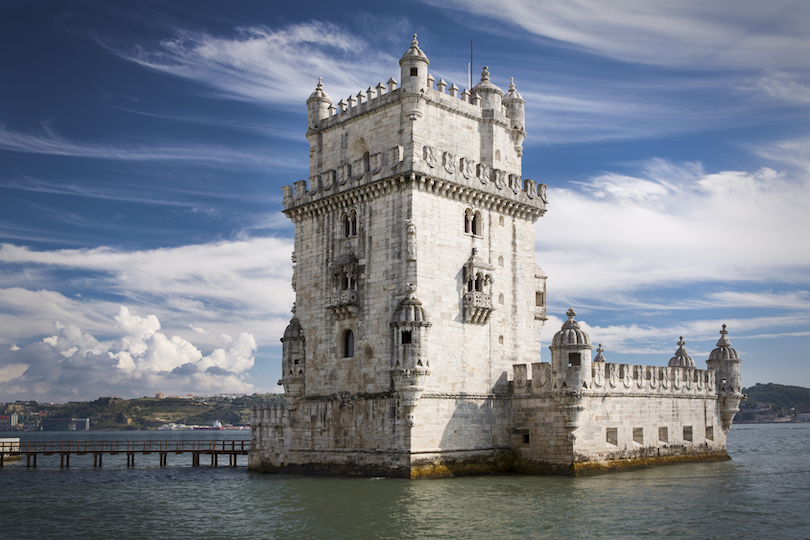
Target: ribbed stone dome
{"points": [[724, 350], [485, 85], [681, 358], [410, 312], [319, 94], [513, 94], [293, 330], [571, 334], [414, 53]]}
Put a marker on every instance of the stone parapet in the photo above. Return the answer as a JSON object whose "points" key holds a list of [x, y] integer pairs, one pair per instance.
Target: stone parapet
{"points": [[625, 379]]}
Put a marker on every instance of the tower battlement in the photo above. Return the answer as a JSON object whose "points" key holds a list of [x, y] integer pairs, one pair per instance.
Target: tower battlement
{"points": [[418, 298]]}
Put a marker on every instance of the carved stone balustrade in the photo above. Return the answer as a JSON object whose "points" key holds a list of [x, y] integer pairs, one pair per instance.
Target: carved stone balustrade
{"points": [[477, 307]]}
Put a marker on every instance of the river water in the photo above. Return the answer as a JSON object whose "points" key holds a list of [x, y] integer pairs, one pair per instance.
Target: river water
{"points": [[764, 492]]}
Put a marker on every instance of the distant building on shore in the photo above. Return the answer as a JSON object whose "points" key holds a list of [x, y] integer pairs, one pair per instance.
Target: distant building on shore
{"points": [[414, 347]]}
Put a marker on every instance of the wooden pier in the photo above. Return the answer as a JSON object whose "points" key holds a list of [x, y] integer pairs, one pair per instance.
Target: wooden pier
{"points": [[98, 449]]}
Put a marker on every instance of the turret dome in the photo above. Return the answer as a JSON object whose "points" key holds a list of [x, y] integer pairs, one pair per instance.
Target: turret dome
{"points": [[414, 53], [681, 358], [293, 330], [410, 312], [319, 94], [724, 350], [571, 334]]}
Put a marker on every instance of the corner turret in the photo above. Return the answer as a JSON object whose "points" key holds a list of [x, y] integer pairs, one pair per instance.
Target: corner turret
{"points": [[516, 112], [681, 358], [491, 96], [726, 362], [414, 68], [318, 105], [571, 357]]}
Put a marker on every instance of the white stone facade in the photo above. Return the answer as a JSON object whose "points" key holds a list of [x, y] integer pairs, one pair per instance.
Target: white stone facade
{"points": [[419, 305]]}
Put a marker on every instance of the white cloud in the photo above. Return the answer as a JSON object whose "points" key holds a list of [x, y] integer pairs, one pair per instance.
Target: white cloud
{"points": [[198, 291], [722, 34], [73, 364], [47, 141], [268, 65], [672, 225]]}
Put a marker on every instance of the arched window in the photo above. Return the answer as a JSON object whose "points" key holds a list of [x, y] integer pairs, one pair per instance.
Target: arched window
{"points": [[477, 224], [479, 282], [349, 224], [348, 344], [468, 217]]}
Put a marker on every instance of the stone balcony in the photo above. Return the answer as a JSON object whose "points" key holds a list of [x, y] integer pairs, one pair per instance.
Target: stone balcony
{"points": [[477, 307], [344, 304]]}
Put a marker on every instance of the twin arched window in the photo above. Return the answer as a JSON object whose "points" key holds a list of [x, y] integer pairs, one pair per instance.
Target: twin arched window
{"points": [[349, 220], [473, 222]]}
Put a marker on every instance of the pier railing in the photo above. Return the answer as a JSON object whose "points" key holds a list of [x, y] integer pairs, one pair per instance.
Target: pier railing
{"points": [[65, 449]]}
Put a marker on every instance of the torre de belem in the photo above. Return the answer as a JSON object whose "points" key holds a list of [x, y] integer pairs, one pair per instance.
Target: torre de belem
{"points": [[414, 347]]}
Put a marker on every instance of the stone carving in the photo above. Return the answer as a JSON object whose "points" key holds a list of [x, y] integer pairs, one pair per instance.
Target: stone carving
{"points": [[449, 162], [327, 180], [499, 178], [394, 156], [467, 168], [514, 182], [530, 187], [344, 173], [430, 156], [541, 192], [484, 173], [411, 240], [358, 168], [314, 184], [375, 162]]}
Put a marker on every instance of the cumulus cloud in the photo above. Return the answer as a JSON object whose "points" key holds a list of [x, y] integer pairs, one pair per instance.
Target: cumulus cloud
{"points": [[197, 294], [674, 224], [73, 364]]}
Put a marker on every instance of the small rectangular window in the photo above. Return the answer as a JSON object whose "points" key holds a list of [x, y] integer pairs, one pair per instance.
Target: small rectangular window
{"points": [[538, 299], [638, 435], [663, 434], [573, 359], [414, 72], [406, 336], [612, 436], [687, 433], [709, 433], [525, 438]]}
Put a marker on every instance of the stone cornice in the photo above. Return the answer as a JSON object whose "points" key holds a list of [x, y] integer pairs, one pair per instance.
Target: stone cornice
{"points": [[422, 182]]}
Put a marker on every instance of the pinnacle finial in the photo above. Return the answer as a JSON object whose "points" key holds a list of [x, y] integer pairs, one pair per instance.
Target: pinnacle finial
{"points": [[571, 313], [681, 342], [485, 74], [599, 349], [415, 42], [723, 331], [511, 83]]}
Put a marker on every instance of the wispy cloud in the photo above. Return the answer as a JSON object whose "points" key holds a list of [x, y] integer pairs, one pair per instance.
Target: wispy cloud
{"points": [[267, 65], [723, 34], [48, 142]]}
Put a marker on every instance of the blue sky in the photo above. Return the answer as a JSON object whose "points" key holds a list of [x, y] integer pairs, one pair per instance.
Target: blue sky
{"points": [[143, 147]]}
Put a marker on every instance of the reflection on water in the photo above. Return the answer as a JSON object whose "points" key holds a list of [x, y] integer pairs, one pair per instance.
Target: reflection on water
{"points": [[762, 493]]}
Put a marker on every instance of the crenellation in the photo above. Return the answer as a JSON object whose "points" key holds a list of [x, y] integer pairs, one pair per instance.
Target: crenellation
{"points": [[419, 305]]}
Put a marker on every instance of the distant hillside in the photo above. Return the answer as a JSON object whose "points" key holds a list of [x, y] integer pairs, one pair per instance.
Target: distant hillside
{"points": [[767, 402], [143, 413]]}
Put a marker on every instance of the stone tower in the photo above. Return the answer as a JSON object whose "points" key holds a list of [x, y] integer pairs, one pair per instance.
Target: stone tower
{"points": [[419, 305], [414, 275]]}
